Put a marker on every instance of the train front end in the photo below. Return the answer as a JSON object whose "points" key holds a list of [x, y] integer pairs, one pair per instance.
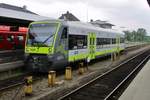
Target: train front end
{"points": [[39, 48]]}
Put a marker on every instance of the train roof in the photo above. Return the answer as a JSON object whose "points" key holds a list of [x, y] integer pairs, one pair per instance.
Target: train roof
{"points": [[90, 26], [87, 26]]}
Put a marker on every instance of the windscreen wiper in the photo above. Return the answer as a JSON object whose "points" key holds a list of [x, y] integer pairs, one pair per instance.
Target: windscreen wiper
{"points": [[47, 39]]}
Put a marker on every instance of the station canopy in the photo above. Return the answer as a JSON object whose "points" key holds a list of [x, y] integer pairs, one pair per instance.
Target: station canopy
{"points": [[17, 16]]}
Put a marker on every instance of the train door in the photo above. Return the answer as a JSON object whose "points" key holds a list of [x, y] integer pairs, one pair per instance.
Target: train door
{"points": [[91, 45], [64, 42], [62, 49], [118, 43]]}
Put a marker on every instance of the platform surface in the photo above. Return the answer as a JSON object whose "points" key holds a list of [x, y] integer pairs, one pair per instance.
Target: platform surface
{"points": [[139, 89]]}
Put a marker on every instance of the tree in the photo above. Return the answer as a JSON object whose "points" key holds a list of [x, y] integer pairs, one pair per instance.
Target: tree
{"points": [[134, 36], [141, 33], [138, 35], [127, 35]]}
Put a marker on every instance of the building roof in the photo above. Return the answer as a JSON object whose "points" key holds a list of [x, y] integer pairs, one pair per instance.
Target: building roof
{"points": [[69, 17], [9, 13], [12, 15], [11, 7], [99, 22]]}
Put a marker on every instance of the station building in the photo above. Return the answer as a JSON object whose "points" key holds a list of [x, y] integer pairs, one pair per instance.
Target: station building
{"points": [[18, 16]]}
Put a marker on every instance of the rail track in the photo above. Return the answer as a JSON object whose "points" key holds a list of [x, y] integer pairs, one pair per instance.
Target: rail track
{"points": [[107, 85], [11, 55], [17, 81], [13, 82]]}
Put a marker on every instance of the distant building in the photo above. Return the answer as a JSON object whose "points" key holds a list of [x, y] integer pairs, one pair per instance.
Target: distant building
{"points": [[69, 17], [20, 16], [102, 24]]}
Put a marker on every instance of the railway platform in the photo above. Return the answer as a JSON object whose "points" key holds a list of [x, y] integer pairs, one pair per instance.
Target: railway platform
{"points": [[139, 88]]}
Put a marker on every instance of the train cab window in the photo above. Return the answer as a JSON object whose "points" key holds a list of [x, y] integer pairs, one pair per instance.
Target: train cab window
{"points": [[64, 33], [10, 38]]}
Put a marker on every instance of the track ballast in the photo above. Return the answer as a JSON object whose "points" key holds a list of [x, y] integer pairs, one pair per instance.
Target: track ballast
{"points": [[101, 87]]}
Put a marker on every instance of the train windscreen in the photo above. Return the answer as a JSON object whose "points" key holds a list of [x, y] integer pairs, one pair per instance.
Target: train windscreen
{"points": [[41, 34]]}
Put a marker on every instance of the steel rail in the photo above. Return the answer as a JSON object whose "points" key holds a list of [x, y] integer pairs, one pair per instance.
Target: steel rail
{"points": [[77, 89], [118, 86]]}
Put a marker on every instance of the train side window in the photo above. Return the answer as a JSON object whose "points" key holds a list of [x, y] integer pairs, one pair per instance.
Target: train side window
{"points": [[10, 38], [122, 40], [72, 42], [80, 44], [112, 41], [77, 42], [99, 41], [105, 41], [20, 38], [115, 41], [83, 42], [1, 38], [64, 33]]}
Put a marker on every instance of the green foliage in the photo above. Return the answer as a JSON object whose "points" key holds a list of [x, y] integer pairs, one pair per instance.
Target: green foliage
{"points": [[136, 36], [147, 38]]}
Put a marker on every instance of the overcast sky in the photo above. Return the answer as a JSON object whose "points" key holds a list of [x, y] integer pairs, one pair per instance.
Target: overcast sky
{"points": [[131, 14]]}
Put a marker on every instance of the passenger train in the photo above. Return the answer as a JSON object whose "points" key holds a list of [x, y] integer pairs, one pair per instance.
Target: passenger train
{"points": [[53, 44], [12, 37]]}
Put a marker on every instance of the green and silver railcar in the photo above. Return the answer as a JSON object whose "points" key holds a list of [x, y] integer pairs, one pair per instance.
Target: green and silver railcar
{"points": [[53, 44]]}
